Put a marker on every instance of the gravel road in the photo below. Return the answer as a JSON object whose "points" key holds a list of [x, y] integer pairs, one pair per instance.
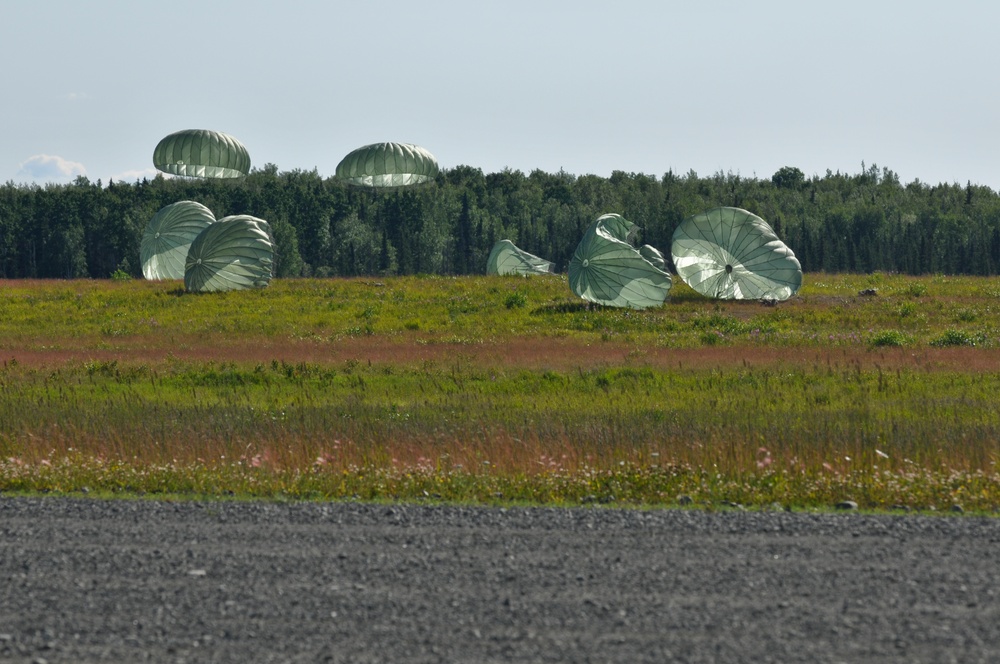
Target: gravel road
{"points": [[134, 581]]}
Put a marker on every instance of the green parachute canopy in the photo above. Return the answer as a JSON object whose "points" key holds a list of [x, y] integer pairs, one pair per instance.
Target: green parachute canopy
{"points": [[201, 153], [168, 236], [387, 165], [505, 258], [234, 253], [731, 254], [654, 256], [608, 270]]}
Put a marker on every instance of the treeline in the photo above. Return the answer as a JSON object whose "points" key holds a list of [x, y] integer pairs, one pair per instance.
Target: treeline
{"points": [[835, 223]]}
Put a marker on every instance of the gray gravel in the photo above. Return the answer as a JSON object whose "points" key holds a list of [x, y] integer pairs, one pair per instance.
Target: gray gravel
{"points": [[137, 581]]}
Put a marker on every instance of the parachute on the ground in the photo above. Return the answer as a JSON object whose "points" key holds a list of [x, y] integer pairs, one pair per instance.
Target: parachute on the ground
{"points": [[506, 258], [731, 254], [387, 165], [234, 253], [654, 256], [608, 270], [202, 153], [168, 235]]}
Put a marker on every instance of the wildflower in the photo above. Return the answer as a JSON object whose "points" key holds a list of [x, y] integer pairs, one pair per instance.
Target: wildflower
{"points": [[764, 457], [882, 454]]}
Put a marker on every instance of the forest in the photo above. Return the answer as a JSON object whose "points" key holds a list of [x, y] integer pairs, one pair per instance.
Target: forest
{"points": [[838, 222]]}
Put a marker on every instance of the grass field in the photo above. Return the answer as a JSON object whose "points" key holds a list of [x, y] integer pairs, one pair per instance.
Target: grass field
{"points": [[490, 389]]}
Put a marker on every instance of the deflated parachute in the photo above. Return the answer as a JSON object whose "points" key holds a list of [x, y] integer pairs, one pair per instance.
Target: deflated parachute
{"points": [[731, 254], [654, 256], [607, 269], [202, 153], [387, 165], [505, 258], [168, 235], [234, 253]]}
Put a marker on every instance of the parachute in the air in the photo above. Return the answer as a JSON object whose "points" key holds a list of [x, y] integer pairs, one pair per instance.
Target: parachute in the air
{"points": [[202, 153], [608, 270], [506, 258], [234, 253], [168, 235], [387, 165], [731, 254]]}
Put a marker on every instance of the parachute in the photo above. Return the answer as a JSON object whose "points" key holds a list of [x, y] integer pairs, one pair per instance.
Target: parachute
{"points": [[387, 165], [654, 256], [168, 235], [234, 253], [607, 269], [203, 154], [505, 258], [731, 254]]}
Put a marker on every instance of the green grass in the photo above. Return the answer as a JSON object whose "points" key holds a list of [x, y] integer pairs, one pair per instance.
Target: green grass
{"points": [[110, 314], [501, 389]]}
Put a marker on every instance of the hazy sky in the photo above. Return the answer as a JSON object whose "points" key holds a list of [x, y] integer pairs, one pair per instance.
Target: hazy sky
{"points": [[588, 87]]}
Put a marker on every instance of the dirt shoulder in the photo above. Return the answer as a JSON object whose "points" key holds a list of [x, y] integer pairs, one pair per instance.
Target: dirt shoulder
{"points": [[528, 353]]}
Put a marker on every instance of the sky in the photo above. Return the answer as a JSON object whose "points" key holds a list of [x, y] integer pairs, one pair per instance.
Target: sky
{"points": [[89, 88]]}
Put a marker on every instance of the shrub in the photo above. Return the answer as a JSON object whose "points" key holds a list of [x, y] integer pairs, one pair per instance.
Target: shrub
{"points": [[958, 338], [515, 300], [889, 338], [712, 338]]}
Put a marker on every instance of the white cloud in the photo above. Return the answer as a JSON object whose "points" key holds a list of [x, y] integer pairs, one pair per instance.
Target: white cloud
{"points": [[131, 176], [77, 96], [49, 168]]}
